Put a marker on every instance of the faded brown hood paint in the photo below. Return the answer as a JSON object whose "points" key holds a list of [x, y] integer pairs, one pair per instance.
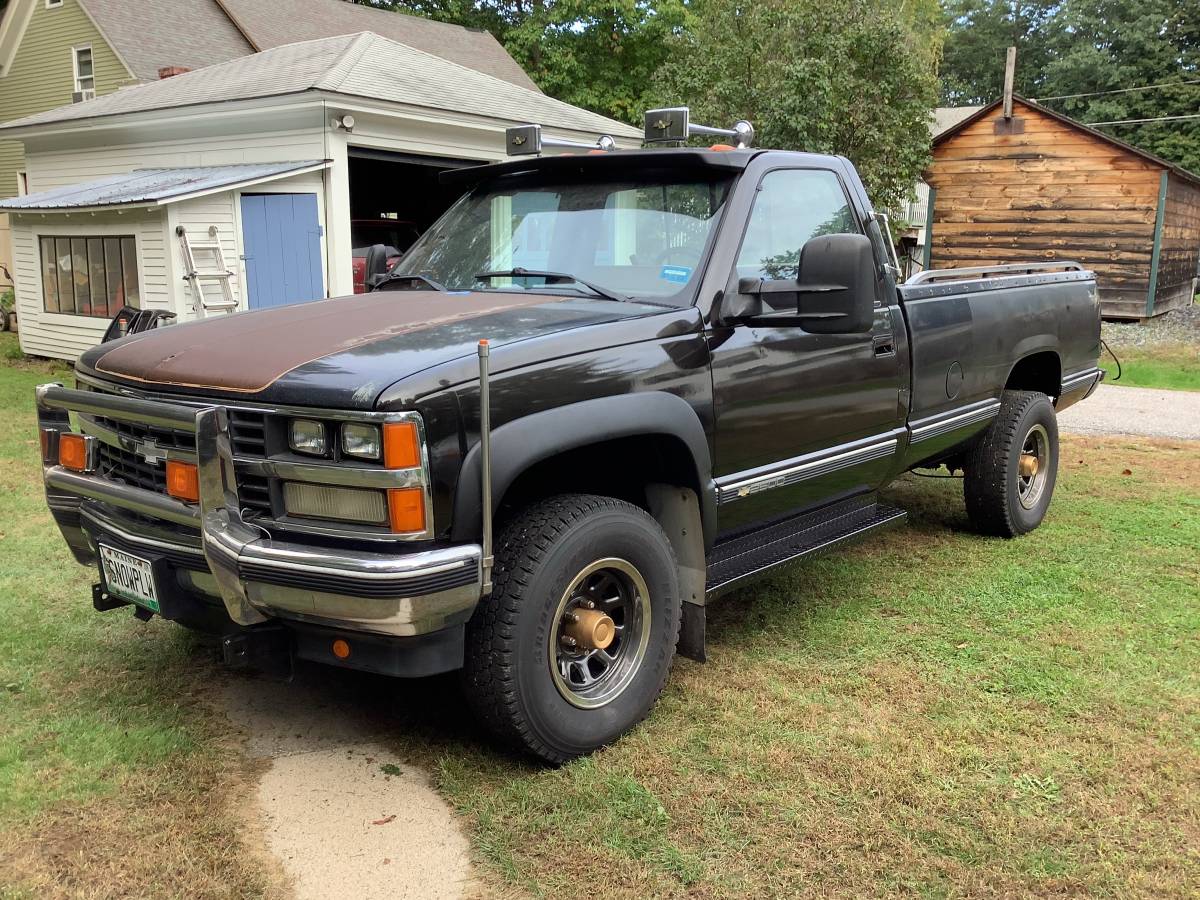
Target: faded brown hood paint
{"points": [[247, 352]]}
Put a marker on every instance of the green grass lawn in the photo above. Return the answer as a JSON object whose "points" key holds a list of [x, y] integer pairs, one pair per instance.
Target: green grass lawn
{"points": [[1174, 366], [928, 713], [116, 775]]}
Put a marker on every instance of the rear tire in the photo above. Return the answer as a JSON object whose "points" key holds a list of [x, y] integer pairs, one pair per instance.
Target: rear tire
{"points": [[558, 564], [1006, 493]]}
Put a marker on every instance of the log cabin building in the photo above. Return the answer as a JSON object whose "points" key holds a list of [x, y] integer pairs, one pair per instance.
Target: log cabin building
{"points": [[1039, 186]]}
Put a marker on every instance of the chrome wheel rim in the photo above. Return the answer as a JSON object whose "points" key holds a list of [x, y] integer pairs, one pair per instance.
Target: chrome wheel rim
{"points": [[587, 674], [1033, 466]]}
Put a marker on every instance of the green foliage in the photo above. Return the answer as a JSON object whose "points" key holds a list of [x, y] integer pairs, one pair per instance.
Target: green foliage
{"points": [[598, 56], [854, 77], [1085, 47], [980, 31]]}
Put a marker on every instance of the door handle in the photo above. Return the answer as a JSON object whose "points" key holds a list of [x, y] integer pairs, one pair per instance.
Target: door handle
{"points": [[884, 345]]}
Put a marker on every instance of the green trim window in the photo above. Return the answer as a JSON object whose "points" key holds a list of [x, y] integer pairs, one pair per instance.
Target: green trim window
{"points": [[89, 276]]}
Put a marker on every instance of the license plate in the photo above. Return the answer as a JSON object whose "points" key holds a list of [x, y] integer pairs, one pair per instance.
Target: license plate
{"points": [[129, 577]]}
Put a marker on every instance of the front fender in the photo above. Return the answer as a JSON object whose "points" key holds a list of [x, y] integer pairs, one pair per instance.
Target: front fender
{"points": [[524, 442]]}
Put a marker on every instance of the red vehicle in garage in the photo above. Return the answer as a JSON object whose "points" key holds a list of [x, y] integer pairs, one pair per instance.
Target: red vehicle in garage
{"points": [[395, 236]]}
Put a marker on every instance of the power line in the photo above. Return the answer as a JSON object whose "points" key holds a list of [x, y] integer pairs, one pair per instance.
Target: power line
{"points": [[1148, 87], [1143, 121]]}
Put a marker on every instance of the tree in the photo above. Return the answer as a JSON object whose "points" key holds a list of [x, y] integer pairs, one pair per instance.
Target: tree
{"points": [[600, 56], [980, 32], [1100, 48], [1112, 45], [855, 77]]}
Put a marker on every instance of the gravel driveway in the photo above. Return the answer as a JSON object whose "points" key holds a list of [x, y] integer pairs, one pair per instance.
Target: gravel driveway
{"points": [[1130, 410]]}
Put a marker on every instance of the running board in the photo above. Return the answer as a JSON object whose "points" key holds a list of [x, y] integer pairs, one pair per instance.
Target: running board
{"points": [[752, 554]]}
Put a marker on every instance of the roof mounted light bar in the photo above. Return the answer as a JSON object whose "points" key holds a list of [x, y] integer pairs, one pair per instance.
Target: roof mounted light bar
{"points": [[665, 126], [527, 140]]}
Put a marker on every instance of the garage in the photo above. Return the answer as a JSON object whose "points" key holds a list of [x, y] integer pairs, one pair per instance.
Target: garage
{"points": [[394, 198], [253, 183]]}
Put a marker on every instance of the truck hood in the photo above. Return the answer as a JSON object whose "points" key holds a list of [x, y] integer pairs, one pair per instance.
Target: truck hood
{"points": [[338, 353]]}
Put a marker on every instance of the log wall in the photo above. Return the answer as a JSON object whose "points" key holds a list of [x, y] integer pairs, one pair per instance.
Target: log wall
{"points": [[1053, 192], [1179, 254]]}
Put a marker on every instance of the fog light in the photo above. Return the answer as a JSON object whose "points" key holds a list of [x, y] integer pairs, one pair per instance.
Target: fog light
{"points": [[321, 501], [308, 436], [361, 441], [77, 452], [183, 481]]}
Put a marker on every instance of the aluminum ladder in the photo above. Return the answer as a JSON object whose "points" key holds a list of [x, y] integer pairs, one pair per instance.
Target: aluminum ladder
{"points": [[221, 274]]}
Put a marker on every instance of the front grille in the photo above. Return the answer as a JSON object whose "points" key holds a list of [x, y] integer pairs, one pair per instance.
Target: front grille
{"points": [[166, 438], [129, 468], [248, 435], [248, 432], [254, 492]]}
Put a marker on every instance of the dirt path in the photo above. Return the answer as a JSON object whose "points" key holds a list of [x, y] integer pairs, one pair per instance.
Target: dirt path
{"points": [[340, 812], [1129, 410]]}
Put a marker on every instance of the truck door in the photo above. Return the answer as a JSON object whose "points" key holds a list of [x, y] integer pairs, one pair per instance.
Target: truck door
{"points": [[801, 419]]}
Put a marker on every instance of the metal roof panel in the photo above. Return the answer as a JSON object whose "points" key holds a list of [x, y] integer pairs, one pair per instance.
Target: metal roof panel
{"points": [[154, 187]]}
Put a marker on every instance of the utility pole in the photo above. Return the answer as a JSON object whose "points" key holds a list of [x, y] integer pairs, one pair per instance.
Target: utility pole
{"points": [[1010, 70]]}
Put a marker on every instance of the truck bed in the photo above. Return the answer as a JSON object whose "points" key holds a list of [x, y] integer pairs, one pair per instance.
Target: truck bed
{"points": [[973, 332]]}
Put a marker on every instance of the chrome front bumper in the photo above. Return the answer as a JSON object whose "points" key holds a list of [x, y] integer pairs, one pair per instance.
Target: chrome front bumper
{"points": [[255, 576]]}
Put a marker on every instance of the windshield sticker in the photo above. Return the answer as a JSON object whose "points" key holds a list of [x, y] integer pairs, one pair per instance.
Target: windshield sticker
{"points": [[676, 274]]}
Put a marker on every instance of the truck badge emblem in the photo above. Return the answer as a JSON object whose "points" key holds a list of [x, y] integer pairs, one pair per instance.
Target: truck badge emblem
{"points": [[150, 452], [518, 140]]}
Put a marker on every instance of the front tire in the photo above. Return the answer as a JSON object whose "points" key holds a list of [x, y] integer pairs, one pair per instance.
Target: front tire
{"points": [[574, 644], [1011, 471]]}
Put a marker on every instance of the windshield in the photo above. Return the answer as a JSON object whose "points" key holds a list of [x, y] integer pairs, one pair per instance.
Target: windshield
{"points": [[641, 239]]}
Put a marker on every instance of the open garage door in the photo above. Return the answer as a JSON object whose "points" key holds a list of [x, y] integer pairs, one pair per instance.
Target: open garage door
{"points": [[394, 197]]}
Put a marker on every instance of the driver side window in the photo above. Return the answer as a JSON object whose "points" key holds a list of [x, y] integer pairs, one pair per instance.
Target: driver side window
{"points": [[792, 207]]}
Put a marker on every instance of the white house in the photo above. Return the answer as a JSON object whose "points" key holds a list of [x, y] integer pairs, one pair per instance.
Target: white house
{"points": [[289, 157]]}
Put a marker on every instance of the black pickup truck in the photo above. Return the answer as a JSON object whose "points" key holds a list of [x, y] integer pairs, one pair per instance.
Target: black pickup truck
{"points": [[698, 366]]}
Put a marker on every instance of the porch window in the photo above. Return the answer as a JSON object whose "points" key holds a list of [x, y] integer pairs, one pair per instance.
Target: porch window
{"points": [[85, 81], [89, 276]]}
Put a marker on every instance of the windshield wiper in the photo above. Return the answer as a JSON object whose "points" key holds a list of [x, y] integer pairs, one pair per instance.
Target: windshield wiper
{"points": [[380, 280], [551, 278]]}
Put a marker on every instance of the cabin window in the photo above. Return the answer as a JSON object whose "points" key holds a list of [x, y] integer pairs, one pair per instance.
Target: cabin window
{"points": [[89, 276], [85, 81], [792, 207]]}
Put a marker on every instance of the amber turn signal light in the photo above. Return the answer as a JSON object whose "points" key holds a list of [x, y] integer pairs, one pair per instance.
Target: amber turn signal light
{"points": [[406, 510], [183, 481], [341, 649], [400, 447], [74, 452]]}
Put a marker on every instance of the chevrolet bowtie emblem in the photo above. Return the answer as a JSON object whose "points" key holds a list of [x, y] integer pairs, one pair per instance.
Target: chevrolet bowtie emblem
{"points": [[150, 451]]}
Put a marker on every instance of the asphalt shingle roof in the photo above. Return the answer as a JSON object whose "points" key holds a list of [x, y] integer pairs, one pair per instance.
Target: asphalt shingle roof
{"points": [[152, 34], [272, 23], [360, 65]]}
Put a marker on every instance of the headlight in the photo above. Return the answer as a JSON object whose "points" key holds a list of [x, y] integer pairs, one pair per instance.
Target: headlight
{"points": [[308, 436], [361, 441]]}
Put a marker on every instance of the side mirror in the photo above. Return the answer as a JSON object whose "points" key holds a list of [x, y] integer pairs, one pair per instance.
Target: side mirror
{"points": [[834, 292], [375, 265]]}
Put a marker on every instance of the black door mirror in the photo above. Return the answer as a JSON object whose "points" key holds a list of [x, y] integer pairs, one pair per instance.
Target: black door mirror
{"points": [[834, 292], [375, 265]]}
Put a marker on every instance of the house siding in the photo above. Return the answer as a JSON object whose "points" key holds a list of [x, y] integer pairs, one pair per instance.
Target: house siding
{"points": [[42, 76], [1179, 252], [66, 336]]}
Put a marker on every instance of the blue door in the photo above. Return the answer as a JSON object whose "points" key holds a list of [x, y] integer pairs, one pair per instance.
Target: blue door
{"points": [[281, 240]]}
